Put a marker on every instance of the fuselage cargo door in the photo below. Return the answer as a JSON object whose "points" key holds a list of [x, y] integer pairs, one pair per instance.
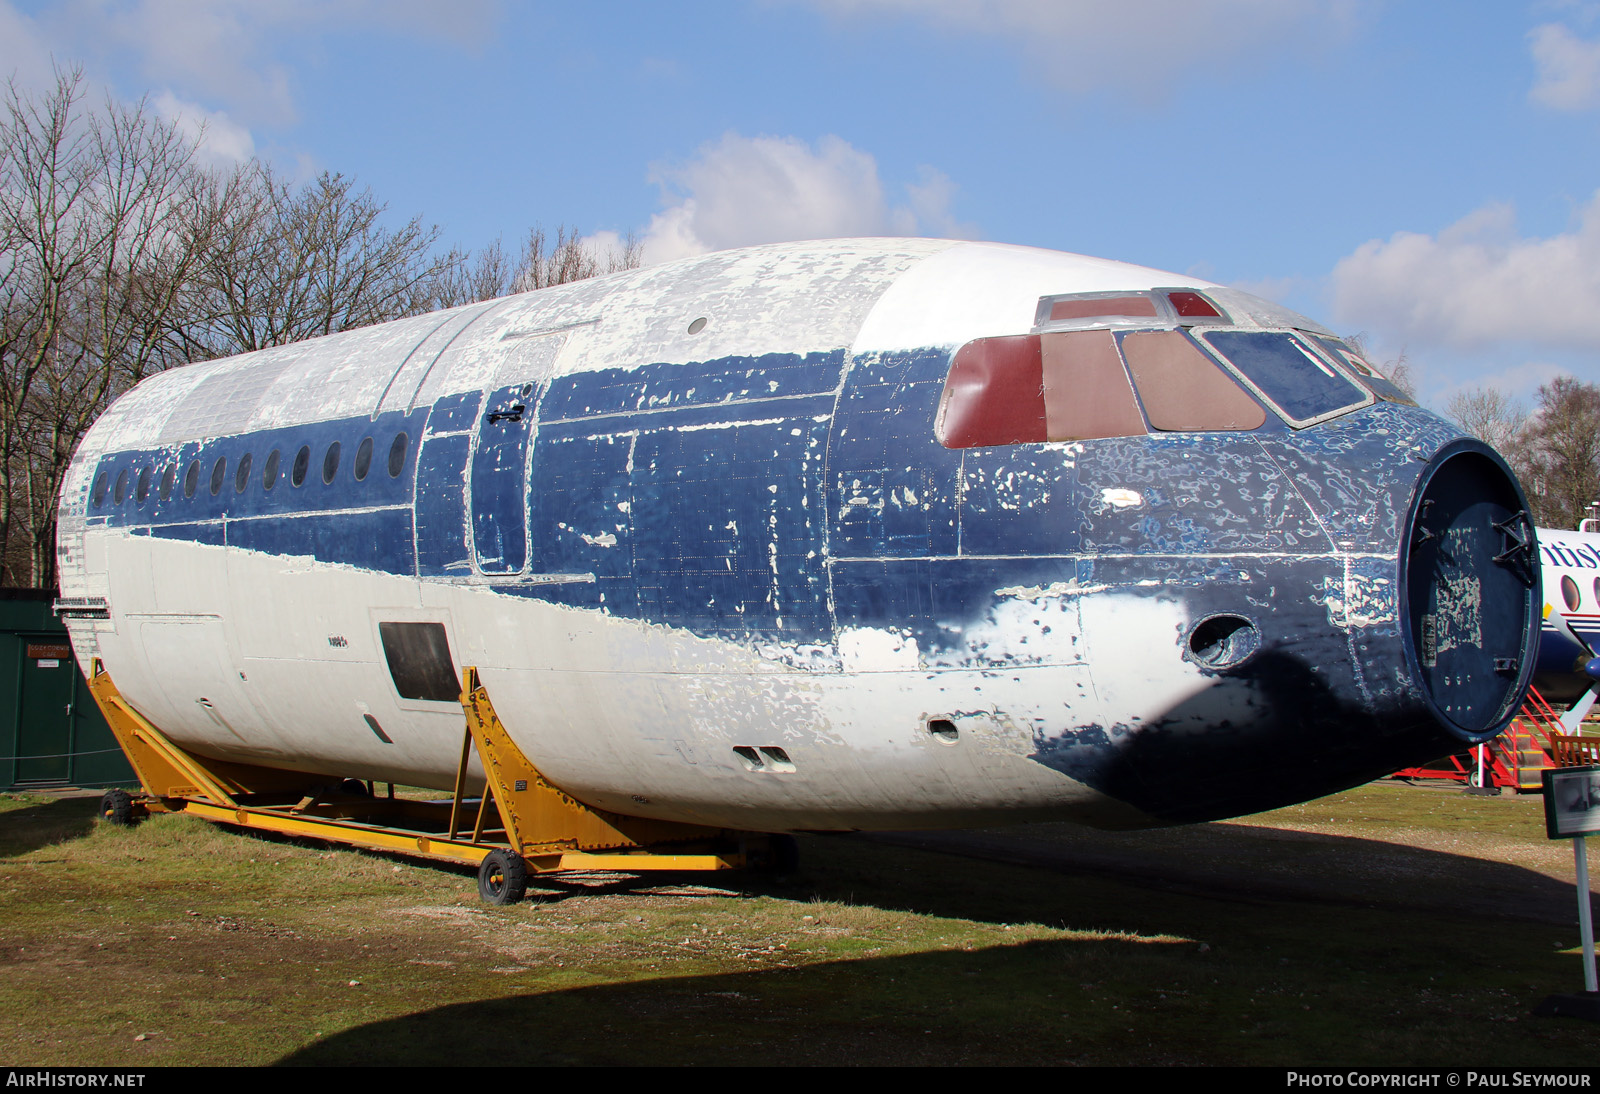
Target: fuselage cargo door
{"points": [[499, 488]]}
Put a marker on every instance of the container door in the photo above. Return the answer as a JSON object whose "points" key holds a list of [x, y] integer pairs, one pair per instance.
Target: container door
{"points": [[44, 728]]}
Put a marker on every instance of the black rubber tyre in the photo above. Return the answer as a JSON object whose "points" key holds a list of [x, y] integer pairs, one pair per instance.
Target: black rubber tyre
{"points": [[116, 807], [355, 788], [502, 877]]}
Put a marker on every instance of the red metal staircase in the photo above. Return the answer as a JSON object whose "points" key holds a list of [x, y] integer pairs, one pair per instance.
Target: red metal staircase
{"points": [[1515, 759]]}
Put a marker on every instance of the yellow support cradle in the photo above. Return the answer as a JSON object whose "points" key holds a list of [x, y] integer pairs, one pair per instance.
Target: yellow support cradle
{"points": [[533, 827]]}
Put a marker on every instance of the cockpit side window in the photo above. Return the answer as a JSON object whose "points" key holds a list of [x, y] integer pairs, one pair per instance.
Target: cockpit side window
{"points": [[1074, 385], [1381, 385], [1184, 390], [1086, 390], [1288, 373], [994, 394], [1068, 386]]}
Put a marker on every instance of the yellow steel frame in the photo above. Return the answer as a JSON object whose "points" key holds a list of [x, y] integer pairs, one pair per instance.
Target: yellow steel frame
{"points": [[549, 828]]}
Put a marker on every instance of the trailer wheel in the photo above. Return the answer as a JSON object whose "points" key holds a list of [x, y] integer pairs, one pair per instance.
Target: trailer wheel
{"points": [[502, 877], [116, 807]]}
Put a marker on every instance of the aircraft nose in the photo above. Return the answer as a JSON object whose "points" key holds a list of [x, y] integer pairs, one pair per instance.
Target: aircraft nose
{"points": [[1469, 571]]}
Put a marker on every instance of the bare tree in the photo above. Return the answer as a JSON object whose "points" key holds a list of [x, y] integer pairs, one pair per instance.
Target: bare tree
{"points": [[119, 257], [100, 228], [289, 264], [1402, 375], [1493, 417], [466, 278], [569, 259], [1563, 453]]}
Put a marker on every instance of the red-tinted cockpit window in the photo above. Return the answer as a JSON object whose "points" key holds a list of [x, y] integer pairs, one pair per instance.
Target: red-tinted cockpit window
{"points": [[1182, 388], [1086, 390], [1191, 305], [1103, 307], [994, 394], [1075, 386], [1067, 386]]}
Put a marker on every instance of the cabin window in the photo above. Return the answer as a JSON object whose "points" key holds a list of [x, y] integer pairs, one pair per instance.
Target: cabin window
{"points": [[142, 491], [397, 455], [330, 462], [269, 471], [1597, 590], [1184, 390], [169, 476], [302, 464], [219, 475], [363, 462], [102, 483], [122, 486], [1286, 371], [191, 479], [1569, 593], [241, 478]]}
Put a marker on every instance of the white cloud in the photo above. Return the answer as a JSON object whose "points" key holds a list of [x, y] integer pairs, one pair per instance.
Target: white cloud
{"points": [[747, 190], [24, 52], [1519, 381], [929, 200], [1568, 68], [222, 141], [236, 54], [1142, 46], [1477, 283]]}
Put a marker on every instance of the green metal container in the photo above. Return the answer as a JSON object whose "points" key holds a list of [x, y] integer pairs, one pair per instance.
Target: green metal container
{"points": [[51, 730]]}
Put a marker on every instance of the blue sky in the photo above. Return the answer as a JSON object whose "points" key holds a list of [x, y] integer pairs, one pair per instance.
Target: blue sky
{"points": [[1423, 173]]}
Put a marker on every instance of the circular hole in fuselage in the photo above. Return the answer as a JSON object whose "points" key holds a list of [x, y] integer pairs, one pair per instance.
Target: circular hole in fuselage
{"points": [[943, 729], [1222, 641]]}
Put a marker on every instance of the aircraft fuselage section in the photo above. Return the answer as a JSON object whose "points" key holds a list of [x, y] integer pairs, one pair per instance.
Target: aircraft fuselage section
{"points": [[757, 590]]}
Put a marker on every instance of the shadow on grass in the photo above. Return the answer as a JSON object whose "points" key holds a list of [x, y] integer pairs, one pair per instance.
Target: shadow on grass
{"points": [[971, 875], [34, 826], [990, 1006], [1277, 977]]}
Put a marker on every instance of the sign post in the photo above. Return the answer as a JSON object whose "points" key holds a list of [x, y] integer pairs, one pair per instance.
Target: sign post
{"points": [[1572, 811]]}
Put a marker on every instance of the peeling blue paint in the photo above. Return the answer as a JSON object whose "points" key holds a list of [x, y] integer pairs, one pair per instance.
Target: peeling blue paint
{"points": [[781, 498]]}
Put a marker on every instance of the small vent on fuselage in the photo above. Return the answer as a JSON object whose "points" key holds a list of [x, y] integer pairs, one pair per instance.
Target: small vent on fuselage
{"points": [[765, 758]]}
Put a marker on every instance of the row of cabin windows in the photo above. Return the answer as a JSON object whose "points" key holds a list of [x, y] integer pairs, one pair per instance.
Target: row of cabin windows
{"points": [[1571, 595], [270, 470]]}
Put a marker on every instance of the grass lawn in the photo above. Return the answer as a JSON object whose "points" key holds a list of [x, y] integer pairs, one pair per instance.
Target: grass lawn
{"points": [[1386, 925]]}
